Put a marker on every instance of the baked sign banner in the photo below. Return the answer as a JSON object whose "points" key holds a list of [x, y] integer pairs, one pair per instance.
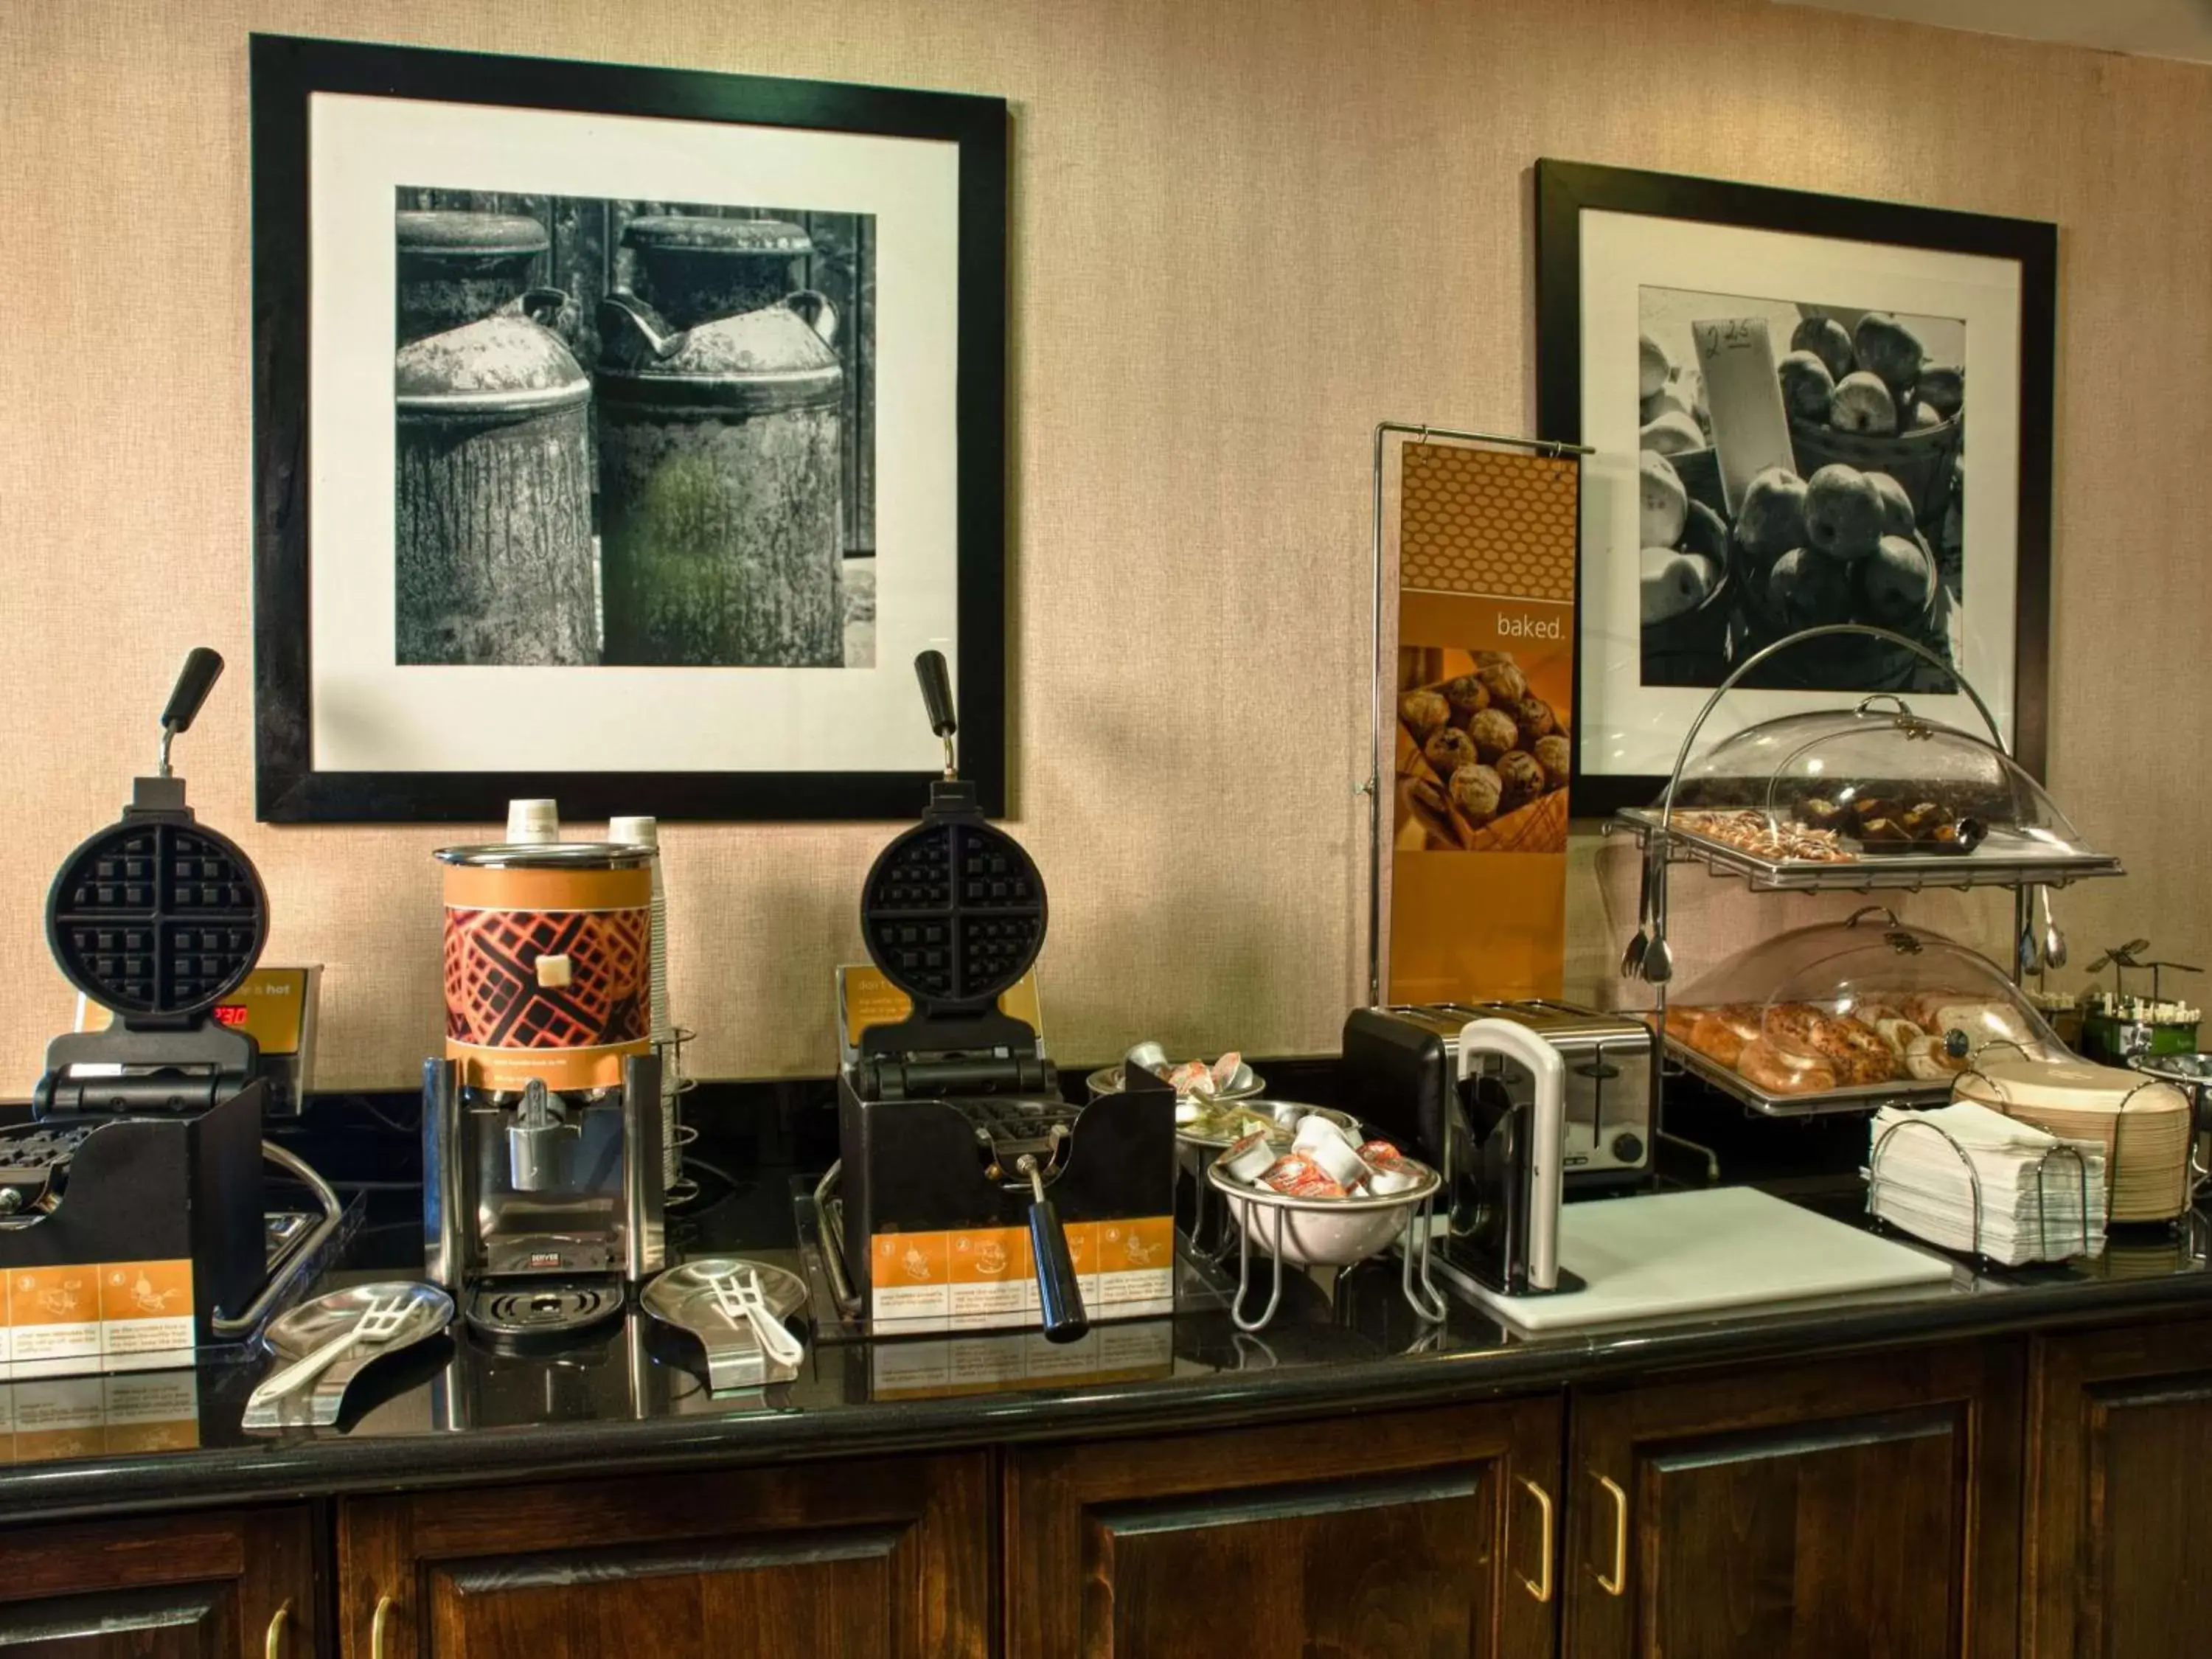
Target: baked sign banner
{"points": [[1484, 688]]}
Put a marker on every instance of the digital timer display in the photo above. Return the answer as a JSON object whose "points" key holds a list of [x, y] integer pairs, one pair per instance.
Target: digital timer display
{"points": [[229, 1013]]}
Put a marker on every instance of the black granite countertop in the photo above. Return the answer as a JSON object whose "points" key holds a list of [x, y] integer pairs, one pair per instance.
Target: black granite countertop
{"points": [[633, 1396]]}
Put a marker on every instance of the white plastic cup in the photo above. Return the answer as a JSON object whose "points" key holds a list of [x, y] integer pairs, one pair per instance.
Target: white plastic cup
{"points": [[1315, 1130], [532, 823], [1344, 1165]]}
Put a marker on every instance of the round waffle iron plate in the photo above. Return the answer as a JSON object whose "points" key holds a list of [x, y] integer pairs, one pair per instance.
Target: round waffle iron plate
{"points": [[953, 912], [157, 918]]}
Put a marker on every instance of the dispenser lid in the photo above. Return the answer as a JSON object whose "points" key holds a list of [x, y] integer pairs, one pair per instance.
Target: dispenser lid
{"points": [[547, 855]]}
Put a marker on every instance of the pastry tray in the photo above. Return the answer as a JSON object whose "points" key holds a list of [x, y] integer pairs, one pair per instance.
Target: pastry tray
{"points": [[1858, 1097], [2007, 858]]}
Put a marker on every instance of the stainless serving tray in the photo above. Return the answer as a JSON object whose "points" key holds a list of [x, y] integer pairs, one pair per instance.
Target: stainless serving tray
{"points": [[2007, 858], [1858, 1097]]}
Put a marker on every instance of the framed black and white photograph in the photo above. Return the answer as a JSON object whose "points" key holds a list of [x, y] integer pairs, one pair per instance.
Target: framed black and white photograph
{"points": [[622, 436], [1777, 388]]}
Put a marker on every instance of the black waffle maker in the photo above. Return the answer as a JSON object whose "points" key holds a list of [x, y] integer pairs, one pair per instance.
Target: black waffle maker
{"points": [[952, 1117], [144, 1143]]}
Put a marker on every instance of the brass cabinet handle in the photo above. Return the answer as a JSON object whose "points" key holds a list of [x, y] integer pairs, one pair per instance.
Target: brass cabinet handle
{"points": [[1540, 1585], [274, 1648], [1613, 1585], [376, 1628]]}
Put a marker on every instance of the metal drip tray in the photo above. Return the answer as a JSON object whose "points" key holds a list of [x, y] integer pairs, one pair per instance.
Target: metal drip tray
{"points": [[520, 1312]]}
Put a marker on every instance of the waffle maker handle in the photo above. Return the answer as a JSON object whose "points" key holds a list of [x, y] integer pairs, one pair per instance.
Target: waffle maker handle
{"points": [[936, 700], [203, 667], [1060, 1298], [936, 692]]}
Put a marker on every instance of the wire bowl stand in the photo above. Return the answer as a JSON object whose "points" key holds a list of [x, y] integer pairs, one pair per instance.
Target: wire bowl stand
{"points": [[1415, 1243]]}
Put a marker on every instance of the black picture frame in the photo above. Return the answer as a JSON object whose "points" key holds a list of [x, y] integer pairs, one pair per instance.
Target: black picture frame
{"points": [[285, 72], [1566, 189]]}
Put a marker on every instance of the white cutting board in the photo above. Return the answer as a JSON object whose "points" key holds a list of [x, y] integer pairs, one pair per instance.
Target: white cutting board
{"points": [[1666, 1254]]}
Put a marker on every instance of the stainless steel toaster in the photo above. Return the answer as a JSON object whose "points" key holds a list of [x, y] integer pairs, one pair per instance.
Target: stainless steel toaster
{"points": [[1402, 1064]]}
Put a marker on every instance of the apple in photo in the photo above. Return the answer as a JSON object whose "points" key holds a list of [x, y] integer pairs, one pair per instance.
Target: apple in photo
{"points": [[1667, 400], [1843, 512], [1653, 366], [1860, 403], [1942, 388], [1896, 505], [1826, 339], [1807, 588], [1665, 505], [1770, 521], [1672, 434], [1898, 584], [1886, 348], [1705, 532], [1807, 387], [1925, 416], [1674, 584]]}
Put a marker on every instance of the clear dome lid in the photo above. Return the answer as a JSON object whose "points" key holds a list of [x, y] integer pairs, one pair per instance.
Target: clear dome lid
{"points": [[1838, 785], [1867, 1007]]}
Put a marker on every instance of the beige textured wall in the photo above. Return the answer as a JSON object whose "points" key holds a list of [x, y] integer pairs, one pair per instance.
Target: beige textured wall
{"points": [[1244, 230]]}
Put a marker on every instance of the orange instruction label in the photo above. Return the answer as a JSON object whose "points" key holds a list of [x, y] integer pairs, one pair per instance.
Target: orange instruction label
{"points": [[910, 1277], [54, 1316], [992, 1274], [1136, 1265], [985, 1277], [145, 1310]]}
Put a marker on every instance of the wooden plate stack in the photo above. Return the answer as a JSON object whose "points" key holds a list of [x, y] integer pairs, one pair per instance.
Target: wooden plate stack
{"points": [[2143, 1125]]}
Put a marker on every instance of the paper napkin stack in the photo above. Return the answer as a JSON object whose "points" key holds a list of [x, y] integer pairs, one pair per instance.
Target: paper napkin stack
{"points": [[2037, 1202]]}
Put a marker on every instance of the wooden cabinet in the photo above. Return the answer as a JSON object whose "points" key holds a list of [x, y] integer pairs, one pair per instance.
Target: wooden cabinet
{"points": [[223, 1585], [2119, 1455], [891, 1558], [1954, 1503], [1409, 1534], [1868, 1505]]}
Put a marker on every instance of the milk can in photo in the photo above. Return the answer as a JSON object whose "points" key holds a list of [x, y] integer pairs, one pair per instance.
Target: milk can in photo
{"points": [[492, 555], [720, 451]]}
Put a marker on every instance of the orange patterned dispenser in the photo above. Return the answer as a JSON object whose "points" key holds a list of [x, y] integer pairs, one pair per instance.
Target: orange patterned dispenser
{"points": [[541, 1124], [548, 963]]}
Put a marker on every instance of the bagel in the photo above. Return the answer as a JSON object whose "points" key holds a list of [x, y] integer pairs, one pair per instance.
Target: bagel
{"points": [[1781, 1074], [1865, 1057], [1799, 1028], [1898, 1034], [1720, 1035], [1926, 1058]]}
